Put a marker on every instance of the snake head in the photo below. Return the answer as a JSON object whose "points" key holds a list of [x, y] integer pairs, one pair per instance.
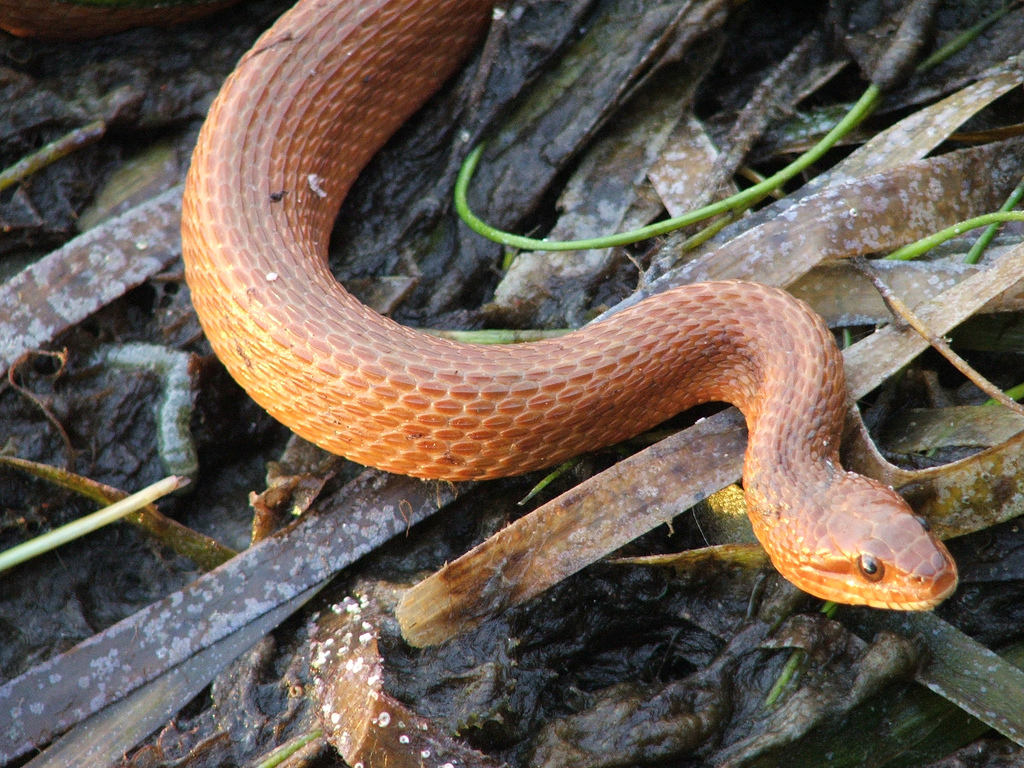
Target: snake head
{"points": [[861, 544]]}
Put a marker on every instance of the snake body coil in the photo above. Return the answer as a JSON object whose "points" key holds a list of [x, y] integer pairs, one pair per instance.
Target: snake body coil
{"points": [[305, 110]]}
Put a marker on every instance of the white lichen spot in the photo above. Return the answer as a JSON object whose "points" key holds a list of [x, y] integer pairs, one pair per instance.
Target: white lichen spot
{"points": [[365, 638], [383, 719], [425, 753], [315, 185], [403, 739], [336, 718]]}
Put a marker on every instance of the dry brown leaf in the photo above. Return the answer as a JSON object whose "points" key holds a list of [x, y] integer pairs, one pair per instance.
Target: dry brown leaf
{"points": [[970, 426]]}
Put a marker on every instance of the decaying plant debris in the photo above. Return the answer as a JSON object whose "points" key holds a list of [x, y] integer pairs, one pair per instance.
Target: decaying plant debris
{"points": [[598, 116]]}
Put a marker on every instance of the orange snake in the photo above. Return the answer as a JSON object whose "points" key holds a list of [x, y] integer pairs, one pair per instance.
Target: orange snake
{"points": [[304, 111]]}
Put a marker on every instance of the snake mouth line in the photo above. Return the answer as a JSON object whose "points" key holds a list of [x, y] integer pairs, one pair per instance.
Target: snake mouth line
{"points": [[812, 583]]}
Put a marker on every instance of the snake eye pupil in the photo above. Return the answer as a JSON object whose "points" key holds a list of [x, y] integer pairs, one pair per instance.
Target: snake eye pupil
{"points": [[870, 568]]}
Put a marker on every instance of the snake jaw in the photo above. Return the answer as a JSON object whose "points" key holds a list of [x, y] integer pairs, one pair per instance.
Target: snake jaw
{"points": [[861, 545], [840, 580]]}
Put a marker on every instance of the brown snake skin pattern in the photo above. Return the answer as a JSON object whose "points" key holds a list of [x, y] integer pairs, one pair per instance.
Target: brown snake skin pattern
{"points": [[304, 111], [56, 20]]}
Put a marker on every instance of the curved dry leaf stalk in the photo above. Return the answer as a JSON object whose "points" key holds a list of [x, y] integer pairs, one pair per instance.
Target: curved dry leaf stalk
{"points": [[359, 718], [959, 498], [955, 426]]}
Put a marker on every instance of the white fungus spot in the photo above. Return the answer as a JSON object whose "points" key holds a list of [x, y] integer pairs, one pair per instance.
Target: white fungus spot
{"points": [[315, 183]]}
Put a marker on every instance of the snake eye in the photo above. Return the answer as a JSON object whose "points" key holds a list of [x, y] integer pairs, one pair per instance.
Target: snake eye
{"points": [[924, 523], [870, 568]]}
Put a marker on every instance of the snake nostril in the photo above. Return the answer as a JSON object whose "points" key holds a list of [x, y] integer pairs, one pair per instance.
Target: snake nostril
{"points": [[870, 568]]}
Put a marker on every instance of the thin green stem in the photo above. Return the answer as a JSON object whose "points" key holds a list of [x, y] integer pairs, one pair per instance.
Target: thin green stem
{"points": [[52, 152], [73, 530], [987, 236], [1017, 393], [286, 750], [964, 39], [553, 475], [741, 200], [912, 251]]}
